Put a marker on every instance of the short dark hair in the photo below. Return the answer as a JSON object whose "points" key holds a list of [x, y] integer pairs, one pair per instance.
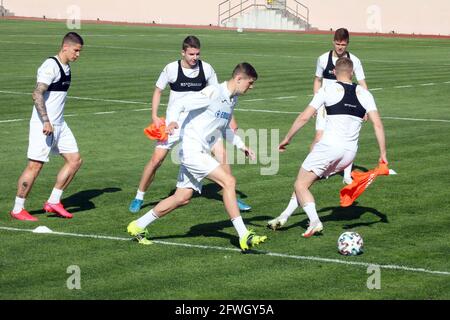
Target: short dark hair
{"points": [[191, 42], [342, 34], [73, 37], [245, 68]]}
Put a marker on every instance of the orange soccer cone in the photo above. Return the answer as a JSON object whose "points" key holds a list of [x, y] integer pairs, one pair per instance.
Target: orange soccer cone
{"points": [[154, 133], [361, 181]]}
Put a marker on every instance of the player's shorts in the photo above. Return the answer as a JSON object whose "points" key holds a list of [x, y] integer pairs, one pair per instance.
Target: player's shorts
{"points": [[171, 141], [40, 146], [321, 118], [325, 160], [195, 166]]}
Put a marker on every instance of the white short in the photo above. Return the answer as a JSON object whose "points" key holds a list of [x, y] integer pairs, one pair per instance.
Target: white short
{"points": [[171, 141], [40, 145], [321, 118], [325, 160], [195, 166]]}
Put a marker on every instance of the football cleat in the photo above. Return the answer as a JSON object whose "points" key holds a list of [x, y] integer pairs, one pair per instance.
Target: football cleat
{"points": [[250, 239], [58, 209], [135, 205], [140, 234], [313, 229], [276, 223], [23, 215], [243, 206]]}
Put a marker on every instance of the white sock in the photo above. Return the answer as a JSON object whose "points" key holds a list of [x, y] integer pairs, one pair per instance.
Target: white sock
{"points": [[146, 219], [348, 171], [240, 227], [310, 209], [140, 195], [19, 204], [55, 196], [292, 206]]}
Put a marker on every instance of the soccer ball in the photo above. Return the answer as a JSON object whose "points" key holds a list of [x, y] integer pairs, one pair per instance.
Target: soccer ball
{"points": [[350, 244]]}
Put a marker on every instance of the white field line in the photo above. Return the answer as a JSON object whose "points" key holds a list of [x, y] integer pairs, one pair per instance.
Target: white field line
{"points": [[105, 112], [237, 109], [272, 254], [414, 119], [405, 86]]}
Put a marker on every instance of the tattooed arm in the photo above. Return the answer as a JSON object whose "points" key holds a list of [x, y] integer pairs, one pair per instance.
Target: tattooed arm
{"points": [[39, 103]]}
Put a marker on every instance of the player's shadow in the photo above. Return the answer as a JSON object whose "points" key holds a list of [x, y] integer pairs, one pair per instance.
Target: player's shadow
{"points": [[215, 230], [352, 212], [209, 191], [355, 167], [81, 201]]}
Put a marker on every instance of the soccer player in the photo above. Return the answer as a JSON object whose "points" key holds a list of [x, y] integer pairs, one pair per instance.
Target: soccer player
{"points": [[325, 76], [346, 104], [49, 132], [185, 76], [210, 112]]}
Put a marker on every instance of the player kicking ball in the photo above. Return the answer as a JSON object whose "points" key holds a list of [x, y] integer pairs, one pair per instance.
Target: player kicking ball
{"points": [[210, 112], [346, 104]]}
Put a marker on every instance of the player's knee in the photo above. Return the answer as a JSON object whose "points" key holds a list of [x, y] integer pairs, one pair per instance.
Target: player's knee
{"points": [[299, 185], [75, 163], [79, 163], [35, 166], [230, 182], [156, 162], [183, 200]]}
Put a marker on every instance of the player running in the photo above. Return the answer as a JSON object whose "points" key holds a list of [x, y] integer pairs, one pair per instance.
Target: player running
{"points": [[210, 112]]}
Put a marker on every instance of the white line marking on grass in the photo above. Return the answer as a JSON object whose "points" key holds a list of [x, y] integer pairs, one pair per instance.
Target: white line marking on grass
{"points": [[376, 89], [405, 86], [142, 109], [12, 120], [107, 100], [267, 111], [83, 98], [162, 104], [447, 82], [427, 84], [281, 98], [251, 100], [105, 112], [272, 254], [413, 119]]}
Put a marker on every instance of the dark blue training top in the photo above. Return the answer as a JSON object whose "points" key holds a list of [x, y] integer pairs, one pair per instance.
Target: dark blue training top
{"points": [[183, 83], [328, 73], [63, 83], [349, 104]]}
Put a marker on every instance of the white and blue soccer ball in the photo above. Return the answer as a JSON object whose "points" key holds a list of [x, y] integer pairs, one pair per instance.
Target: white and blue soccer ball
{"points": [[350, 244]]}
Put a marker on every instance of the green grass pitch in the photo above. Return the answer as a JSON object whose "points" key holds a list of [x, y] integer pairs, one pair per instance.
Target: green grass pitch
{"points": [[403, 219]]}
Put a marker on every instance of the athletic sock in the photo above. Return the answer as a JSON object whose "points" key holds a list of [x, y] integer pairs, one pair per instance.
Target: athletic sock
{"points": [[310, 209], [55, 196], [348, 171], [19, 204], [146, 219], [292, 206], [140, 195], [240, 227]]}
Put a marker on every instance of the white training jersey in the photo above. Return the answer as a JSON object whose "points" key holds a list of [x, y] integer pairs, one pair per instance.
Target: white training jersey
{"points": [[210, 112], [170, 75], [322, 62], [342, 129], [49, 73]]}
